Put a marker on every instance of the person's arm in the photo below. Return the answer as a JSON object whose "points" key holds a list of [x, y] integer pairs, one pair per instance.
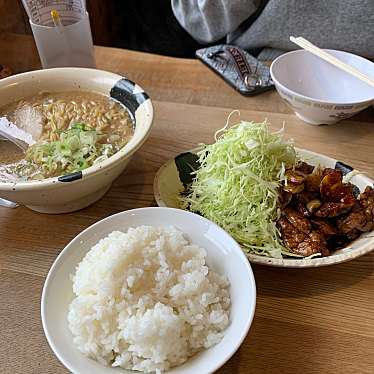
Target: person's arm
{"points": [[210, 20]]}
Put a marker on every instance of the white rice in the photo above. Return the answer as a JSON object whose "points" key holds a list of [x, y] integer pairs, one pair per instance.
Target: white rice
{"points": [[146, 300]]}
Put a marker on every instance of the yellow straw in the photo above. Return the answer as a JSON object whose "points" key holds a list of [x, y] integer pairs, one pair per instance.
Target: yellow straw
{"points": [[56, 18]]}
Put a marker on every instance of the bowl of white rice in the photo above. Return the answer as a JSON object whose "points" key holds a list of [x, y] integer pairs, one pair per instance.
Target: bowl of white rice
{"points": [[148, 290]]}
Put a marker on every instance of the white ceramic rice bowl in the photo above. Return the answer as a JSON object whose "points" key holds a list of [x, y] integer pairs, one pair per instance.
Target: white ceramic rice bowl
{"points": [[78, 190], [319, 92], [223, 256]]}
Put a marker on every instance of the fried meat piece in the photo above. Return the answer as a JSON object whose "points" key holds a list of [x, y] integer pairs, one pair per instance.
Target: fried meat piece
{"points": [[354, 220], [297, 220], [332, 189], [361, 218], [298, 237], [314, 243], [324, 227], [291, 236], [284, 197], [352, 235], [343, 193], [293, 188], [367, 202], [327, 171], [320, 212], [304, 168], [329, 182], [337, 241], [301, 208], [306, 196], [331, 209]]}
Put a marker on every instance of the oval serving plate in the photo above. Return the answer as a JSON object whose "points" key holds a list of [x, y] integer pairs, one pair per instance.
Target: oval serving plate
{"points": [[175, 174]]}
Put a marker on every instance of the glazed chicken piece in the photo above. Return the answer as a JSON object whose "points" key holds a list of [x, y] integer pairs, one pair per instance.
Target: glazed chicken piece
{"points": [[324, 227], [306, 196], [330, 209], [304, 168], [339, 197], [298, 236], [333, 189], [367, 202], [344, 193], [337, 241], [314, 243], [361, 218], [298, 220], [320, 212], [352, 235], [327, 171], [301, 208], [328, 184], [306, 209], [291, 236], [284, 197], [354, 221]]}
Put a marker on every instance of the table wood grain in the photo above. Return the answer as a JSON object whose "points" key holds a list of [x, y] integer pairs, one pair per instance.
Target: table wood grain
{"points": [[307, 320]]}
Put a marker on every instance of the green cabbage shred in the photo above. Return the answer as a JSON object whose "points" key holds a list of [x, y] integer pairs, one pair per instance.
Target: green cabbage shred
{"points": [[237, 184]]}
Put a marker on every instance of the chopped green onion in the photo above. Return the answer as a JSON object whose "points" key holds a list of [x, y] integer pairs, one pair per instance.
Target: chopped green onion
{"points": [[77, 149]]}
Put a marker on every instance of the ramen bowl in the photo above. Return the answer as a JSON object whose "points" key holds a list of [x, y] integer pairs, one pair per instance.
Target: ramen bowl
{"points": [[67, 193], [318, 92]]}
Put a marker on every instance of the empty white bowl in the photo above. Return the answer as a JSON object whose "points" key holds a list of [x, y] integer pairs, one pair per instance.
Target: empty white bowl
{"points": [[319, 92], [223, 255]]}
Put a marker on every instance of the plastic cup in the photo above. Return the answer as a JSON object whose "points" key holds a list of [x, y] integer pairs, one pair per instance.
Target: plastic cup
{"points": [[63, 46]]}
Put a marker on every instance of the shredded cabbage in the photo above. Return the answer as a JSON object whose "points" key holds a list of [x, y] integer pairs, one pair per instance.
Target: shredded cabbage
{"points": [[78, 147], [237, 184]]}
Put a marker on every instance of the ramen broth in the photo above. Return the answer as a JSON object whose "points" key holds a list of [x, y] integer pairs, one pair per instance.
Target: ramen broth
{"points": [[52, 117]]}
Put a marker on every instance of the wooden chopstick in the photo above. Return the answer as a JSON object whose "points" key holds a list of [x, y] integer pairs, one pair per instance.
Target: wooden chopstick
{"points": [[308, 46]]}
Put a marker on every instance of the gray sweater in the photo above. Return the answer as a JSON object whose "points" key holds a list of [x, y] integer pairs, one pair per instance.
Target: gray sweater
{"points": [[337, 24]]}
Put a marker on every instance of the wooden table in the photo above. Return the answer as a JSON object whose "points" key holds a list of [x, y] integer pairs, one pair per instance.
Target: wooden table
{"points": [[307, 321]]}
